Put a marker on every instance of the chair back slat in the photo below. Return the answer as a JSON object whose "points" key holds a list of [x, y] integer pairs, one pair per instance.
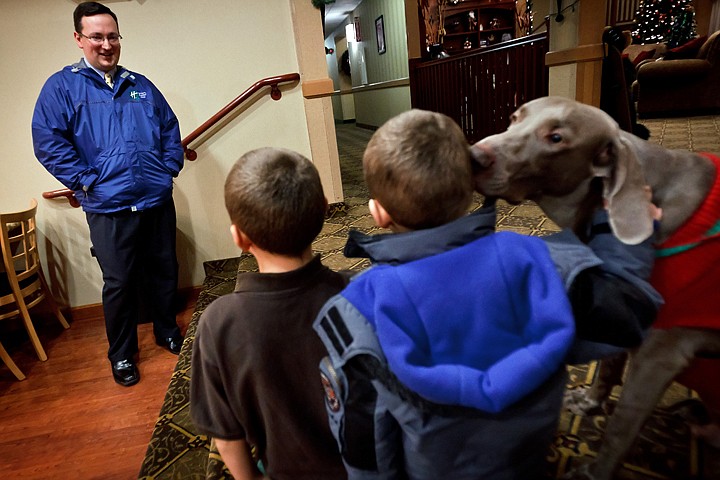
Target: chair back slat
{"points": [[19, 246]]}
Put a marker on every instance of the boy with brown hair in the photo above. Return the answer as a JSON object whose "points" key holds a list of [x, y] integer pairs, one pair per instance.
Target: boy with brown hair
{"points": [[255, 353], [446, 358]]}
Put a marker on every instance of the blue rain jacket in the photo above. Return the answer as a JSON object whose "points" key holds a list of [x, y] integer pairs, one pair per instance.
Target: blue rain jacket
{"points": [[117, 148]]}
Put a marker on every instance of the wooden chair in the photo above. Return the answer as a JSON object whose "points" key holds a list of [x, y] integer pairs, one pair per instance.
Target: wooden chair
{"points": [[9, 362], [22, 283]]}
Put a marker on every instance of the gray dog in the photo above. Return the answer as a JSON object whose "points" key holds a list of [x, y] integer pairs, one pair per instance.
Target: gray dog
{"points": [[550, 153]]}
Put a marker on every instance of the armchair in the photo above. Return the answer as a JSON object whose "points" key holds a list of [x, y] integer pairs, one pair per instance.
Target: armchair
{"points": [[680, 87]]}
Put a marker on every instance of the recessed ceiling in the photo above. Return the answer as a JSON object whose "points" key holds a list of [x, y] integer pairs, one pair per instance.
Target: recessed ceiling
{"points": [[337, 12]]}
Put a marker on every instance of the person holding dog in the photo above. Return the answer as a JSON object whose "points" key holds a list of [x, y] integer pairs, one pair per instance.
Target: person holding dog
{"points": [[608, 283], [453, 344], [255, 354]]}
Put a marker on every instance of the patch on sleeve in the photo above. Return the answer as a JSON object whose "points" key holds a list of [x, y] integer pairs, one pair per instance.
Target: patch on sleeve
{"points": [[331, 396]]}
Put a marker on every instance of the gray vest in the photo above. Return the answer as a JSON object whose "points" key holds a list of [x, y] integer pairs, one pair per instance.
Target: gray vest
{"points": [[386, 431]]}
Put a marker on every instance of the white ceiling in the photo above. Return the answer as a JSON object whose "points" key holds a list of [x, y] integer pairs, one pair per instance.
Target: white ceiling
{"points": [[337, 12]]}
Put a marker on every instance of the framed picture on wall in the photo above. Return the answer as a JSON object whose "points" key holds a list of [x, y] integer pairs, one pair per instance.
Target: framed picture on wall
{"points": [[380, 33]]}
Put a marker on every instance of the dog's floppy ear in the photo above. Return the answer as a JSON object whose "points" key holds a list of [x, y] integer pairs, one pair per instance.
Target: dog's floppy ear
{"points": [[624, 192]]}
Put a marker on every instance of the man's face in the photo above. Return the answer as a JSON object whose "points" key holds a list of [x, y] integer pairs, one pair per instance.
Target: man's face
{"points": [[103, 56]]}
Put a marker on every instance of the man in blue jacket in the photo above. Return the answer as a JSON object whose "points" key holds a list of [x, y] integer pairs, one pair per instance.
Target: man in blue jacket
{"points": [[110, 136]]}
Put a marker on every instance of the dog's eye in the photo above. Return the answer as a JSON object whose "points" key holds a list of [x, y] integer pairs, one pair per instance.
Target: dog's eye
{"points": [[555, 138]]}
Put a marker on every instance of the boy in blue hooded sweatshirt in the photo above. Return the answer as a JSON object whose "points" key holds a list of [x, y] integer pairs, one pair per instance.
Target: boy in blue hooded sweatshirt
{"points": [[446, 358]]}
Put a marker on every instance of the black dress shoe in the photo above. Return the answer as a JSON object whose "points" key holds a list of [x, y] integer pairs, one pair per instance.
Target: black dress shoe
{"points": [[125, 373], [174, 344]]}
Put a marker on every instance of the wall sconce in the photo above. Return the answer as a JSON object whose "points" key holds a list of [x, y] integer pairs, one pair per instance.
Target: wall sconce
{"points": [[350, 33]]}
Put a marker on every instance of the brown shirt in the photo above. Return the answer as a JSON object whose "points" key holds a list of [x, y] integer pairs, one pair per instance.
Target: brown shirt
{"points": [[255, 371]]}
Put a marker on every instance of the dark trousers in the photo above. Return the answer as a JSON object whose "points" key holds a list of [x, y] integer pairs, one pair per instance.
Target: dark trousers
{"points": [[136, 253]]}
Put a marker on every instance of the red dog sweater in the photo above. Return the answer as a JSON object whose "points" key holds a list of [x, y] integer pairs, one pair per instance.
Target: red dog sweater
{"points": [[687, 274], [687, 268]]}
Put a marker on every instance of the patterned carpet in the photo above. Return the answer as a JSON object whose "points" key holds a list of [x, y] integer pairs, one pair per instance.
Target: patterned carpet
{"points": [[664, 450]]}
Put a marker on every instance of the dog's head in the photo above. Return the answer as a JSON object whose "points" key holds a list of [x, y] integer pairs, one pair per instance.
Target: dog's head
{"points": [[551, 152]]}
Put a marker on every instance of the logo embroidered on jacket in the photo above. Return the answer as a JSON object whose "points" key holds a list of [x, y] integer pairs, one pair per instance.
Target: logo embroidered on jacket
{"points": [[135, 95]]}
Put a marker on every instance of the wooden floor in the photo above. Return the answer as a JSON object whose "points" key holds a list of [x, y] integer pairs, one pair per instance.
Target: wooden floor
{"points": [[68, 418]]}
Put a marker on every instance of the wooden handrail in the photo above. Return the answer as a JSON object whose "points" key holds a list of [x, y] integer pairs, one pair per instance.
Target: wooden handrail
{"points": [[400, 82], [579, 54], [63, 192], [275, 94]]}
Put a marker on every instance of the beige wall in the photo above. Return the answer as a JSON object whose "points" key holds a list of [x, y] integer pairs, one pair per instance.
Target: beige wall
{"points": [[374, 107], [582, 27], [563, 35], [394, 63], [201, 54], [343, 105]]}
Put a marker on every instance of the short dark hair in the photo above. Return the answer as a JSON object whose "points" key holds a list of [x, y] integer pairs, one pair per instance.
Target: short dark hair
{"points": [[417, 165], [89, 9], [275, 197]]}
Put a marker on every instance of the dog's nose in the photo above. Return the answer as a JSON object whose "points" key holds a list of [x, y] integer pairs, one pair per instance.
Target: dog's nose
{"points": [[483, 155]]}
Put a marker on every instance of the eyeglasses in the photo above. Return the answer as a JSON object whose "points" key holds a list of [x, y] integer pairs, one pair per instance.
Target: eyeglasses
{"points": [[99, 39]]}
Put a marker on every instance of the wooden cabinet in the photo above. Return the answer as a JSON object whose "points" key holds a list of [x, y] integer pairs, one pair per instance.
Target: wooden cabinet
{"points": [[470, 24]]}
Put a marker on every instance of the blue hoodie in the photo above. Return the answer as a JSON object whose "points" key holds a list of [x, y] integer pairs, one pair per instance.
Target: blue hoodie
{"points": [[463, 315]]}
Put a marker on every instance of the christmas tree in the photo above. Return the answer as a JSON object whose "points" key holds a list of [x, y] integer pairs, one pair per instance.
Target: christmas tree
{"points": [[683, 28], [655, 20]]}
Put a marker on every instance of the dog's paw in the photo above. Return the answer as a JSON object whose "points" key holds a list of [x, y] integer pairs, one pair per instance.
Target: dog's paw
{"points": [[578, 402]]}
